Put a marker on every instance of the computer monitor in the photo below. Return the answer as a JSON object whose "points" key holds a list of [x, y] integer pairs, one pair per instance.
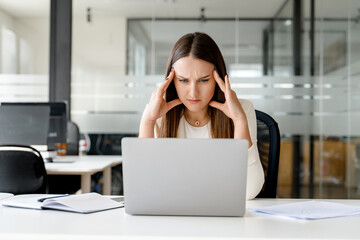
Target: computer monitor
{"points": [[24, 125], [33, 123]]}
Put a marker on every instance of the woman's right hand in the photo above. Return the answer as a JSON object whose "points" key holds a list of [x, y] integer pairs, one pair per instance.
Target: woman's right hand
{"points": [[157, 106]]}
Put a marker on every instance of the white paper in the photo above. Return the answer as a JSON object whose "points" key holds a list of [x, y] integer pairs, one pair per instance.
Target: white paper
{"points": [[5, 195], [310, 210]]}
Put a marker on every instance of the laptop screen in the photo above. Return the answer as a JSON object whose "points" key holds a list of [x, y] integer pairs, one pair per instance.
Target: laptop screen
{"points": [[24, 124]]}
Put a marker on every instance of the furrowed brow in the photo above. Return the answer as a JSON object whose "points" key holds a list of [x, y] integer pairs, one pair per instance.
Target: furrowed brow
{"points": [[184, 78]]}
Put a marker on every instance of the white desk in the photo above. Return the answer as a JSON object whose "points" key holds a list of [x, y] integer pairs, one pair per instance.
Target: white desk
{"points": [[86, 166], [116, 224]]}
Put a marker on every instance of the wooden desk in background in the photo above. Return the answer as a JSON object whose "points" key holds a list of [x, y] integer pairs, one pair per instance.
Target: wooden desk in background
{"points": [[86, 166]]}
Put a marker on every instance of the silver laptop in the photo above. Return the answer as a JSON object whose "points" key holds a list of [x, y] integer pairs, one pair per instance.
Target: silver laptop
{"points": [[171, 176]]}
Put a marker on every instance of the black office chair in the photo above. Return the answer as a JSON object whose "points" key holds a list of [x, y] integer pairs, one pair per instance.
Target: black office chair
{"points": [[268, 136], [60, 184], [72, 139], [22, 170]]}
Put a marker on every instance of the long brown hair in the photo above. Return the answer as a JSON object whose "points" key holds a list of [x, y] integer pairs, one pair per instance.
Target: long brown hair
{"points": [[200, 46]]}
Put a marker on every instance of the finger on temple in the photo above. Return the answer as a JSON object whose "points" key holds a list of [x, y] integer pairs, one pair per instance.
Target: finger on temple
{"points": [[227, 83], [168, 80], [219, 81], [171, 71]]}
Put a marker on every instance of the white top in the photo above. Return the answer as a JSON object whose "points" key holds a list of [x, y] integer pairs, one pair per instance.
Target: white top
{"points": [[195, 132], [255, 174]]}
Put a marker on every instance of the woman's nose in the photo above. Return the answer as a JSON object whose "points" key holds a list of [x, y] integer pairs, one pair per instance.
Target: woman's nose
{"points": [[193, 89]]}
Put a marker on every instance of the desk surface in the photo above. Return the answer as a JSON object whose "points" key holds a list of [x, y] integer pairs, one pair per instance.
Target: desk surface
{"points": [[116, 224], [83, 164]]}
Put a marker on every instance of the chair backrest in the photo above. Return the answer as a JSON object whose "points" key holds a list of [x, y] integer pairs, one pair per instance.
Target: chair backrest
{"points": [[72, 139], [22, 170], [268, 137]]}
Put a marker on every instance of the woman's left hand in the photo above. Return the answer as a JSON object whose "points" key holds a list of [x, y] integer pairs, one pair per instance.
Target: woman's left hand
{"points": [[231, 107]]}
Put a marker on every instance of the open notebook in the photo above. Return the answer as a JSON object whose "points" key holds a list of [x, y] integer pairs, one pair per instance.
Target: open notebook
{"points": [[5, 195], [82, 203]]}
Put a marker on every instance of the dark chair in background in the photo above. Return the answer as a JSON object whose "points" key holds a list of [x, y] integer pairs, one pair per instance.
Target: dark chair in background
{"points": [[60, 184], [22, 170], [268, 137], [72, 139]]}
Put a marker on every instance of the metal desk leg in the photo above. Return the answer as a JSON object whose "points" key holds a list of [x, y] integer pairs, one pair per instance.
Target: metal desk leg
{"points": [[296, 166], [107, 181], [85, 183], [311, 163]]}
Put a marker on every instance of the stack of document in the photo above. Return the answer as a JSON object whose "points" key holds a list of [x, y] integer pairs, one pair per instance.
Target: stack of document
{"points": [[82, 203], [310, 210]]}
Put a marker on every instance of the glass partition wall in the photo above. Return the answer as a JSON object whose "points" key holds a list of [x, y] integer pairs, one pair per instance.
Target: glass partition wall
{"points": [[119, 52], [338, 58], [24, 51], [240, 43]]}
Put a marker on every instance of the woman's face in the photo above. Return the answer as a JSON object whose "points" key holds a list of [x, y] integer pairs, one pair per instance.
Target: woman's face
{"points": [[194, 83]]}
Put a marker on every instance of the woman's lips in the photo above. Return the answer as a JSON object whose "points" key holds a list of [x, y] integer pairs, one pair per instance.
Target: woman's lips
{"points": [[193, 101]]}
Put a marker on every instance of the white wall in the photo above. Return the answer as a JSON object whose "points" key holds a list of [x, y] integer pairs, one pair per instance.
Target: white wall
{"points": [[98, 47], [6, 23], [33, 33]]}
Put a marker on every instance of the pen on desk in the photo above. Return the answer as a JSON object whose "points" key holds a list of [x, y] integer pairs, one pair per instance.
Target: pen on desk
{"points": [[43, 199]]}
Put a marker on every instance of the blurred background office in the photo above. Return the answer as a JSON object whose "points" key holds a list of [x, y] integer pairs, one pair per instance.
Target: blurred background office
{"points": [[299, 61]]}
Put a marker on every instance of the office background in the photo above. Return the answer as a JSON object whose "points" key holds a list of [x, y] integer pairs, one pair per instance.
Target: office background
{"points": [[297, 60]]}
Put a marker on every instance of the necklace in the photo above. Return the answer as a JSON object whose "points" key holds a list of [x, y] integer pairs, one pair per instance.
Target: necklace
{"points": [[196, 123]]}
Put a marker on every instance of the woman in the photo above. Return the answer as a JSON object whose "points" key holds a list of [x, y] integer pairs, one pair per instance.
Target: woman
{"points": [[196, 101]]}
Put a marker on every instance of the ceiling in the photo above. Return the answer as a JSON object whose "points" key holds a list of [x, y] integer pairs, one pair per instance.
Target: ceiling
{"points": [[182, 8]]}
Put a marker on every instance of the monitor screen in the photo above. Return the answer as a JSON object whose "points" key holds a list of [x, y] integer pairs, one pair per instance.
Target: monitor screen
{"points": [[43, 123], [24, 125]]}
